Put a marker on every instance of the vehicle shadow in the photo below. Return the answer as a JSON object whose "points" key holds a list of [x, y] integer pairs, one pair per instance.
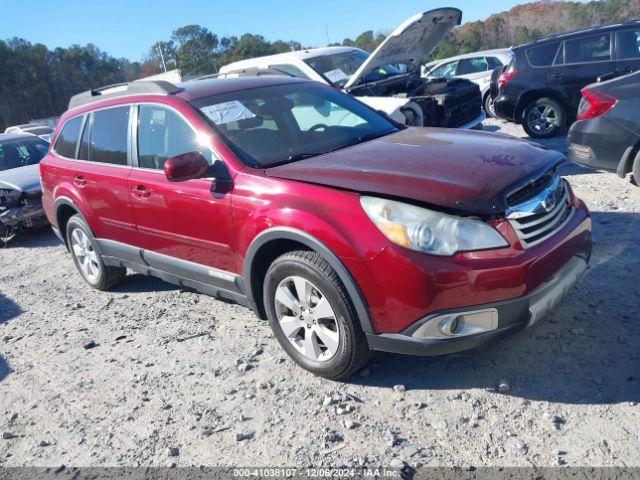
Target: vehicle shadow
{"points": [[8, 309], [36, 238], [138, 283], [586, 351]]}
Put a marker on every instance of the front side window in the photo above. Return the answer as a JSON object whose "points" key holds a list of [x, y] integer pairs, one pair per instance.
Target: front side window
{"points": [[468, 66], [68, 138], [162, 134], [109, 132], [21, 152], [629, 44], [543, 55], [285, 123], [596, 48]]}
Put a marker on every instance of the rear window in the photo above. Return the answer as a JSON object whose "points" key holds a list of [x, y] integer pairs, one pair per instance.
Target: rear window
{"points": [[68, 138], [543, 55], [109, 129]]}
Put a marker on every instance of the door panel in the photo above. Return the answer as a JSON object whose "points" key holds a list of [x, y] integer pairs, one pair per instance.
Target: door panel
{"points": [[185, 220], [581, 61]]}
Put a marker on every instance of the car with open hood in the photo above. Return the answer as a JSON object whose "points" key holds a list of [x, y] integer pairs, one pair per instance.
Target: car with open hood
{"points": [[389, 78], [348, 231], [20, 192]]}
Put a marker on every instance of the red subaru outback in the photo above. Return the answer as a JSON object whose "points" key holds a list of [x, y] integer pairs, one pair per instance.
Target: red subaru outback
{"points": [[348, 232]]}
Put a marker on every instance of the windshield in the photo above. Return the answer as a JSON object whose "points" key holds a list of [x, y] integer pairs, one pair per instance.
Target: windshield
{"points": [[21, 152], [337, 69], [279, 124]]}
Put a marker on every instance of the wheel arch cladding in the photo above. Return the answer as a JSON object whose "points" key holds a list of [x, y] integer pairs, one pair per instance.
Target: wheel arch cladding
{"points": [[272, 243], [65, 208]]}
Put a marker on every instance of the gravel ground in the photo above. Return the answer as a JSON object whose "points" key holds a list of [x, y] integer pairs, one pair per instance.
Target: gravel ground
{"points": [[148, 374]]}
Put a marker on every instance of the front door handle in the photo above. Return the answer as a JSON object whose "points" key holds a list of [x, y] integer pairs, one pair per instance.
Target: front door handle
{"points": [[141, 191], [79, 180]]}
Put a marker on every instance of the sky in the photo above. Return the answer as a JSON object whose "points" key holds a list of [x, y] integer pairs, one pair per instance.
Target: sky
{"points": [[127, 28]]}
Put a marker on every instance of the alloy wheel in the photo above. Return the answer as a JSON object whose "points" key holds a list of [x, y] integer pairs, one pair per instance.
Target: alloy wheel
{"points": [[307, 319], [543, 119], [85, 255]]}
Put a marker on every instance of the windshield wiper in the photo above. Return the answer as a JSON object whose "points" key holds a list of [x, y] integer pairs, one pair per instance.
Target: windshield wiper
{"points": [[302, 156]]}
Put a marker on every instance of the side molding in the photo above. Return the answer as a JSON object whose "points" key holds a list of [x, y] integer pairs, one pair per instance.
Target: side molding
{"points": [[287, 233]]}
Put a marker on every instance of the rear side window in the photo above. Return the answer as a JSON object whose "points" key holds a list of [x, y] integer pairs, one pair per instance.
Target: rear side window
{"points": [[629, 44], [68, 138], [109, 129], [596, 48], [543, 55]]}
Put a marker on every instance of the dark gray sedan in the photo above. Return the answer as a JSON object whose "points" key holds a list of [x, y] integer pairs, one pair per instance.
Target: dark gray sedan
{"points": [[607, 133], [20, 190]]}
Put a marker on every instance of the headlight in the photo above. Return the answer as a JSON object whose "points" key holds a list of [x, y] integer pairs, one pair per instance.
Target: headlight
{"points": [[428, 231]]}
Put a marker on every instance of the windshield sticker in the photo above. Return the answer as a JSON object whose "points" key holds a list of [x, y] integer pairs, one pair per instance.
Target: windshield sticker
{"points": [[335, 75], [227, 112]]}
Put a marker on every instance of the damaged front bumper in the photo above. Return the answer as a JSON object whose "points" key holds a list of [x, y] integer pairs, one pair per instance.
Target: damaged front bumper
{"points": [[20, 210]]}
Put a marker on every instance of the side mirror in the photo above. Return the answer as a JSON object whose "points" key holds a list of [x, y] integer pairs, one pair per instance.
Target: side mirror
{"points": [[185, 166]]}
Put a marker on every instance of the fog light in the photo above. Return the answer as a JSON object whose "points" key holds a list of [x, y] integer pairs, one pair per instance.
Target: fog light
{"points": [[581, 151], [458, 324]]}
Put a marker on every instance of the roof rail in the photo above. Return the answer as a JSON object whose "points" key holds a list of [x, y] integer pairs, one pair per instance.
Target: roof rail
{"points": [[255, 72], [155, 87]]}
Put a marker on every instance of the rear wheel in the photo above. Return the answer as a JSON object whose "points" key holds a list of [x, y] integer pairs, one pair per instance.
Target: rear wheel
{"points": [[311, 316], [543, 118], [87, 259], [489, 107]]}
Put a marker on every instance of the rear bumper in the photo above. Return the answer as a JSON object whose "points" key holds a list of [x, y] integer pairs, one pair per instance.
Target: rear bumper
{"points": [[426, 337], [505, 107], [600, 144]]}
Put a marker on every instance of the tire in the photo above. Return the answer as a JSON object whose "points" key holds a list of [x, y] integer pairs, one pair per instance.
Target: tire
{"points": [[635, 170], [88, 261], [543, 118], [325, 314], [489, 108]]}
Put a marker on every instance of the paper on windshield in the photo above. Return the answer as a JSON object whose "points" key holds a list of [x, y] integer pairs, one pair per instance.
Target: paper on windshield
{"points": [[226, 112], [336, 75]]}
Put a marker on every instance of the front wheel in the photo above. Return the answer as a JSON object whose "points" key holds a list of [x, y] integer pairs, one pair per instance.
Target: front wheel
{"points": [[311, 315], [543, 118]]}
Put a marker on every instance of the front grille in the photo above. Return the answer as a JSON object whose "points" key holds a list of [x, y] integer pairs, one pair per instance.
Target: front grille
{"points": [[543, 215]]}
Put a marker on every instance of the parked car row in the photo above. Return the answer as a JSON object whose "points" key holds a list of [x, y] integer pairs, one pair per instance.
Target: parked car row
{"points": [[389, 78], [541, 87]]}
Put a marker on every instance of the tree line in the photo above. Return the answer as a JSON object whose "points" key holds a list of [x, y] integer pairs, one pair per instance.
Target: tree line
{"points": [[36, 82]]}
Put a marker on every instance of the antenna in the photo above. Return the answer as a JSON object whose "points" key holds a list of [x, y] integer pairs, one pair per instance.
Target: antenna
{"points": [[162, 58]]}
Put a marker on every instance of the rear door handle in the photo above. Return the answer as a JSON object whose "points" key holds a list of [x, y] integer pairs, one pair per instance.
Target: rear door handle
{"points": [[79, 180], [557, 76], [141, 191]]}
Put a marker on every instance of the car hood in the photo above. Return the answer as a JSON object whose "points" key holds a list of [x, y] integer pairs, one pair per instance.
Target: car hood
{"points": [[24, 179], [410, 42], [465, 171]]}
